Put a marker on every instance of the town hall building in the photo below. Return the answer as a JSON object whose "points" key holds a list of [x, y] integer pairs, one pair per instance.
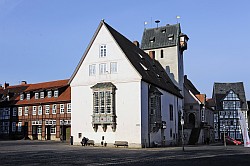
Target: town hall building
{"points": [[120, 93]]}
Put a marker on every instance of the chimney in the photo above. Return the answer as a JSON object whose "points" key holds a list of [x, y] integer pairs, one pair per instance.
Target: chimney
{"points": [[5, 85], [136, 43], [23, 82], [152, 54]]}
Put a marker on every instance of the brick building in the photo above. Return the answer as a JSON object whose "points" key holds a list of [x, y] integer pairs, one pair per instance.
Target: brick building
{"points": [[36, 111]]}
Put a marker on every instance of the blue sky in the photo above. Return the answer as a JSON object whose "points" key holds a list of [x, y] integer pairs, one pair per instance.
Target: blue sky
{"points": [[43, 40]]}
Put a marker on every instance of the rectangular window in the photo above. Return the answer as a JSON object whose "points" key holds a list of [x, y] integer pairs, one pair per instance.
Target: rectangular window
{"points": [[49, 94], [56, 93], [103, 51], [19, 126], [41, 95], [47, 107], [21, 96], [39, 130], [102, 68], [53, 130], [108, 101], [54, 109], [34, 110], [40, 110], [20, 111], [13, 126], [102, 102], [28, 96], [14, 111], [26, 111], [91, 70], [69, 108], [113, 67], [171, 112], [36, 95], [162, 54], [61, 108]]}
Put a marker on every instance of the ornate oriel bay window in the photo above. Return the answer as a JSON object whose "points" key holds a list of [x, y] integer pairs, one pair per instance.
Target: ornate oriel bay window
{"points": [[155, 109], [104, 113]]}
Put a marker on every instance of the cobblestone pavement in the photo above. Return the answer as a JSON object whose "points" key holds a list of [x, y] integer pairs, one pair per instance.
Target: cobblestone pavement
{"points": [[27, 152]]}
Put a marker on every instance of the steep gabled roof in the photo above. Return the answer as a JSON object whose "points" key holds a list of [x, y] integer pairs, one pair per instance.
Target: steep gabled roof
{"points": [[159, 37], [220, 90], [150, 69], [190, 86]]}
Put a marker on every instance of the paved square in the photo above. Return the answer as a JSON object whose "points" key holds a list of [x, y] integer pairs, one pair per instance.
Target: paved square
{"points": [[26, 152]]}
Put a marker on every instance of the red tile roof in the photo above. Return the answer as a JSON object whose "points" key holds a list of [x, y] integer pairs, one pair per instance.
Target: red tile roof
{"points": [[201, 97], [62, 85], [47, 85]]}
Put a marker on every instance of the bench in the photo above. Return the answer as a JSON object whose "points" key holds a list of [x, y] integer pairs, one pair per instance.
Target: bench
{"points": [[121, 143], [91, 142], [156, 144]]}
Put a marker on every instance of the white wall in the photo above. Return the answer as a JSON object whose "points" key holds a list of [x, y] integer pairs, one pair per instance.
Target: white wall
{"points": [[128, 95]]}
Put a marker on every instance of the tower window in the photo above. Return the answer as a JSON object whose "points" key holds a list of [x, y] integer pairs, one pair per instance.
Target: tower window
{"points": [[162, 54]]}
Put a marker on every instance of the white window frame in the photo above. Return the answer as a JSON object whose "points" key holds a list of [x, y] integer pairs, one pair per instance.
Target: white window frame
{"points": [[49, 94], [26, 110], [53, 130], [36, 95], [61, 108], [39, 130], [13, 126], [21, 96], [103, 50], [34, 110], [28, 96], [40, 110], [113, 67], [56, 93], [102, 68], [19, 126], [41, 95], [69, 108], [54, 107], [14, 111], [47, 109], [20, 111], [92, 70]]}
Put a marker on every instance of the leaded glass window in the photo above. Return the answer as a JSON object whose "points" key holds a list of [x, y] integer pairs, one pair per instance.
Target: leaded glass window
{"points": [[104, 106]]}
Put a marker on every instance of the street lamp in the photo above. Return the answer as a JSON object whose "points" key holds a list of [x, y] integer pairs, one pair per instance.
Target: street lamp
{"points": [[224, 127], [182, 135], [63, 121]]}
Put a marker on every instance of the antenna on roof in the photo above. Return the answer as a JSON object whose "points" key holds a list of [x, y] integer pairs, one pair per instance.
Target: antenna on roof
{"points": [[145, 23], [177, 19], [157, 22]]}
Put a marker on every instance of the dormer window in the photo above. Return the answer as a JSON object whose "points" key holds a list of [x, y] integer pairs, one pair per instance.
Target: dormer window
{"points": [[49, 94], [152, 39], [56, 93], [163, 30], [170, 37], [36, 95], [21, 96], [41, 95], [28, 96]]}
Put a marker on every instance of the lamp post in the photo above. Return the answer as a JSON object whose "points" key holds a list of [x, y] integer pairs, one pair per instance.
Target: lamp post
{"points": [[224, 127], [182, 135], [63, 121]]}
